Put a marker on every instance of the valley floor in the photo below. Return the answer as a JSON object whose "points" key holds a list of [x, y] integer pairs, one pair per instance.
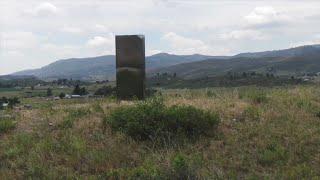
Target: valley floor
{"points": [[271, 133]]}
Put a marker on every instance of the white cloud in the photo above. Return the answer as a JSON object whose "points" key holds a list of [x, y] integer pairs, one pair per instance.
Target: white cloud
{"points": [[99, 41], [266, 16], [60, 52], [43, 9], [304, 43], [19, 40], [246, 34], [153, 52], [184, 45], [101, 28], [101, 45], [72, 30]]}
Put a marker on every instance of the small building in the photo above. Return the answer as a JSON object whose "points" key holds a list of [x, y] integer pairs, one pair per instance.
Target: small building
{"points": [[68, 96], [75, 96]]}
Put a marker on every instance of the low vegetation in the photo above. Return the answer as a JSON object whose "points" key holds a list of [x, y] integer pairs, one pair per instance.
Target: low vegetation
{"points": [[263, 133], [152, 120], [105, 91], [6, 125]]}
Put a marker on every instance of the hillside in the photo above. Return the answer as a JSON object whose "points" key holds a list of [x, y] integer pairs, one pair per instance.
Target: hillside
{"points": [[103, 67], [296, 61], [292, 52]]}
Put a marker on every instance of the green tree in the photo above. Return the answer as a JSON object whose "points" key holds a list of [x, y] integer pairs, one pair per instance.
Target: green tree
{"points": [[62, 95], [83, 91], [49, 92], [80, 91], [77, 90]]}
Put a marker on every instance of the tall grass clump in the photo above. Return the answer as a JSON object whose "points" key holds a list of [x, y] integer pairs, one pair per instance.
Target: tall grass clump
{"points": [[152, 120], [6, 125], [257, 96], [74, 115]]}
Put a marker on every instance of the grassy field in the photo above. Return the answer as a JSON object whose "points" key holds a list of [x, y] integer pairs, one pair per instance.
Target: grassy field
{"points": [[264, 133]]}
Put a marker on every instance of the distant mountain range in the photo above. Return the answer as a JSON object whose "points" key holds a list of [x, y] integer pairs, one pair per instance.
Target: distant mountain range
{"points": [[297, 60], [294, 61], [103, 67]]}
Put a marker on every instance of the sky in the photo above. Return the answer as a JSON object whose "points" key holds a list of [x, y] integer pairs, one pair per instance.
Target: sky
{"points": [[35, 33]]}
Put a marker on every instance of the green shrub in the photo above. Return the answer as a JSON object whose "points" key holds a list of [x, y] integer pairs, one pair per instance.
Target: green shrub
{"points": [[183, 166], [252, 113], [152, 120], [180, 167], [273, 154], [6, 125]]}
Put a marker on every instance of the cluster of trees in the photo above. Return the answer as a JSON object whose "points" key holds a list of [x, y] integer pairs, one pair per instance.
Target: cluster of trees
{"points": [[68, 82], [235, 75], [10, 101], [23, 82], [102, 82], [166, 75], [80, 90], [76, 91], [105, 91]]}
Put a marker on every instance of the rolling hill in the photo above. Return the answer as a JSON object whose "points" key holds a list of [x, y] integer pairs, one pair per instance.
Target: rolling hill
{"points": [[299, 60], [295, 61], [103, 67]]}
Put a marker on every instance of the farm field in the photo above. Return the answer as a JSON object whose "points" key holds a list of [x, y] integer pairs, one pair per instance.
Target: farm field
{"points": [[263, 133]]}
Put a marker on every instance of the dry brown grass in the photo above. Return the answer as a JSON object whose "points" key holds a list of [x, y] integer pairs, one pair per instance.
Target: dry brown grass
{"points": [[278, 138]]}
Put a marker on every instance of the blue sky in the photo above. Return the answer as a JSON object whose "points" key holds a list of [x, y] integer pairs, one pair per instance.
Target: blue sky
{"points": [[34, 33]]}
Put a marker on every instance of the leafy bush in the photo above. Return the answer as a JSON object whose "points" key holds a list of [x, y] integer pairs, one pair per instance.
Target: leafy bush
{"points": [[273, 154], [181, 167], [152, 120]]}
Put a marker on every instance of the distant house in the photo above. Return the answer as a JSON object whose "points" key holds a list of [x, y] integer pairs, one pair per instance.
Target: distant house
{"points": [[75, 96], [68, 96]]}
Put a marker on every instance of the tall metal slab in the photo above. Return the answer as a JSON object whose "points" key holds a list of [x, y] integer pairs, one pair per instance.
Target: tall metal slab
{"points": [[130, 63]]}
